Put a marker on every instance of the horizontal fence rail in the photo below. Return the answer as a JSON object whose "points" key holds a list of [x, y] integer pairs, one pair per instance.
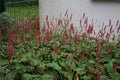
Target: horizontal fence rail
{"points": [[27, 9]]}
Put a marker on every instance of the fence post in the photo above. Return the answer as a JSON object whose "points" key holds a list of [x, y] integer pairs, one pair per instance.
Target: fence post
{"points": [[2, 6]]}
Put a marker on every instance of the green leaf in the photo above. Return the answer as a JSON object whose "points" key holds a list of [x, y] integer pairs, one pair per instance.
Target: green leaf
{"points": [[115, 76], [84, 45], [62, 63], [91, 61], [58, 43], [27, 76], [73, 66], [54, 65], [35, 62], [113, 60], [31, 76], [63, 54], [81, 70], [11, 75], [1, 78], [109, 67], [51, 42], [63, 72], [73, 48], [2, 69], [117, 55], [3, 61], [47, 77], [70, 76], [103, 77]]}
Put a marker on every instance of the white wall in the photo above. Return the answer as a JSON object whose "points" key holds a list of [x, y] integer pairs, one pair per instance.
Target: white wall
{"points": [[102, 11]]}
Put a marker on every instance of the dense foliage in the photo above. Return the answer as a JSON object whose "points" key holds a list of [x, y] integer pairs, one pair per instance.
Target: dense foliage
{"points": [[59, 51]]}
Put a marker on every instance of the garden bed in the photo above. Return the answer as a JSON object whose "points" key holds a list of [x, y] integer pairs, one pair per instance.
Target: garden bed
{"points": [[59, 51]]}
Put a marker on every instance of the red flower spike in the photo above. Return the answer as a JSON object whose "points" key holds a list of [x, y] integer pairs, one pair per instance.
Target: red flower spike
{"points": [[94, 33], [43, 29], [46, 36], [110, 22], [76, 38], [68, 57], [72, 27], [117, 23], [83, 36], [115, 67], [14, 38], [119, 41], [76, 50], [81, 56], [23, 38], [90, 29], [98, 75], [110, 49], [100, 47], [59, 22], [66, 36], [12, 35], [10, 49], [118, 28], [42, 71], [83, 16], [37, 20], [51, 23], [97, 54], [66, 13], [91, 69], [39, 39], [50, 35], [107, 36], [48, 24], [111, 28], [105, 28], [56, 51], [0, 37], [29, 26], [0, 27], [102, 33], [80, 22], [96, 39], [36, 33], [16, 27], [71, 17], [46, 18], [86, 22]]}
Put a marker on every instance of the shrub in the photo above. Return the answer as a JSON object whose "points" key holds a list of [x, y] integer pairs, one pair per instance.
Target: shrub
{"points": [[5, 20]]}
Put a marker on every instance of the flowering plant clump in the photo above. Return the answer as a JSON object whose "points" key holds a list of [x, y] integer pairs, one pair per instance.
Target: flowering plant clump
{"points": [[59, 51]]}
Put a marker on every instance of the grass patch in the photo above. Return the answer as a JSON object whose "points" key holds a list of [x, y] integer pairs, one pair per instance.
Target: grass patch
{"points": [[26, 12]]}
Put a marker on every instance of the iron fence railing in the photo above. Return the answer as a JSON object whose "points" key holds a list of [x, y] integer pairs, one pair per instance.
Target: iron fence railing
{"points": [[27, 9]]}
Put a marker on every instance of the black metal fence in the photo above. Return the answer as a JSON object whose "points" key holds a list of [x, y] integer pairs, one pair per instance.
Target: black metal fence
{"points": [[27, 9], [2, 6]]}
